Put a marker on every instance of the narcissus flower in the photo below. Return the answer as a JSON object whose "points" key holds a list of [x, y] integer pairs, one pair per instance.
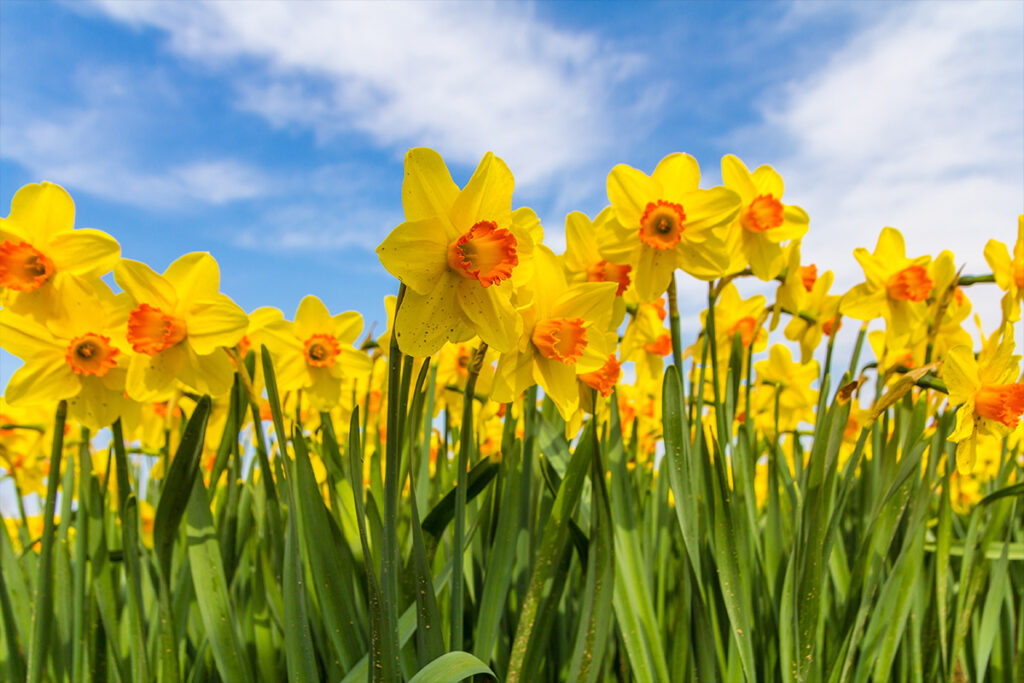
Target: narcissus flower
{"points": [[780, 379], [1009, 272], [664, 221], [897, 287], [987, 389], [40, 250], [456, 253], [566, 331], [583, 260], [78, 356], [179, 327], [315, 353], [804, 295], [764, 223]]}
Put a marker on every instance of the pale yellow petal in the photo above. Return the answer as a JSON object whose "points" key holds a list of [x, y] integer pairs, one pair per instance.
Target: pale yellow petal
{"points": [[629, 191], [416, 252], [84, 251], [737, 177], [677, 173], [486, 197], [144, 285], [428, 190], [214, 323]]}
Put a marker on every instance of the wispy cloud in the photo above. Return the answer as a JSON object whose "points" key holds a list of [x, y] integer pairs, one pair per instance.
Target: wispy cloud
{"points": [[464, 78]]}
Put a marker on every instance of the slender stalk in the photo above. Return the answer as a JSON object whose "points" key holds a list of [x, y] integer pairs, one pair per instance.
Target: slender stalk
{"points": [[673, 320], [458, 546], [43, 591], [392, 484]]}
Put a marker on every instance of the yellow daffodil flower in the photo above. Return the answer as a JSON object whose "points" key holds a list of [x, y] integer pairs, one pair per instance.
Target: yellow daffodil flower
{"points": [[790, 382], [456, 253], [1009, 272], [897, 287], [987, 389], [664, 221], [804, 295], [583, 261], [735, 316], [40, 250], [78, 355], [566, 331], [179, 326], [764, 222], [315, 353], [647, 342]]}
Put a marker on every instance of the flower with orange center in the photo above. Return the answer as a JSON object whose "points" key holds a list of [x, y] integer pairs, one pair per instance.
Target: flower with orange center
{"points": [[910, 284], [665, 221], [604, 378], [746, 329], [896, 287], [151, 331], [804, 295], [736, 316], [91, 354], [987, 390], [40, 250], [662, 224], [316, 352], [756, 235], [808, 274], [180, 326], [566, 332], [75, 357], [320, 350], [485, 253], [457, 253], [1009, 271], [23, 267], [560, 339], [602, 271]]}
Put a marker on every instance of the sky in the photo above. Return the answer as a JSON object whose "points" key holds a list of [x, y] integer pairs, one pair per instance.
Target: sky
{"points": [[272, 135]]}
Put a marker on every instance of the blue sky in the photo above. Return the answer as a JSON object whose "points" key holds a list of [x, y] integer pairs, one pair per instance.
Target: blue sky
{"points": [[272, 135]]}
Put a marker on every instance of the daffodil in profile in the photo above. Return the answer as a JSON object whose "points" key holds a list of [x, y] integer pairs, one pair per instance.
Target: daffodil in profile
{"points": [[315, 353], [1009, 272], [896, 287], [987, 389], [665, 221], [764, 222], [78, 356], [457, 253], [789, 383], [583, 261], [179, 327], [40, 250]]}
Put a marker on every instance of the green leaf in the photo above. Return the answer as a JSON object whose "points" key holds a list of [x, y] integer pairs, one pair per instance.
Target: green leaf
{"points": [[452, 667]]}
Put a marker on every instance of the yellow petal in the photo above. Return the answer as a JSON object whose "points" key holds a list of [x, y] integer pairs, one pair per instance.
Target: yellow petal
{"points": [[966, 456], [96, 406], [144, 285], [426, 321], [194, 276], [591, 301], [890, 248], [737, 177], [768, 181], [653, 272], [629, 191], [559, 383], [152, 378], [765, 257], [41, 383], [28, 339], [428, 190], [960, 372], [40, 212], [998, 257], [84, 251], [210, 374], [490, 315], [312, 317], [486, 197], [677, 173], [705, 261], [708, 208], [416, 252], [347, 326], [214, 323]]}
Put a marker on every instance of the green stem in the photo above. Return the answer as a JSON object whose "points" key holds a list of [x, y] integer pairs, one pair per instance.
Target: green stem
{"points": [[42, 612], [458, 546], [673, 320]]}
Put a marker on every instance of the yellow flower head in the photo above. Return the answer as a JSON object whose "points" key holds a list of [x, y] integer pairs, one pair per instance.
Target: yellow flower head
{"points": [[40, 250], [664, 221], [1009, 272], [179, 326], [988, 391], [764, 222], [457, 253]]}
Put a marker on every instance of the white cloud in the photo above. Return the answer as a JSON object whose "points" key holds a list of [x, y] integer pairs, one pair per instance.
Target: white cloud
{"points": [[462, 77]]}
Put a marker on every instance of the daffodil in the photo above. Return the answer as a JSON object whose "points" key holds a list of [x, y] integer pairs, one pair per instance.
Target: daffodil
{"points": [[315, 353], [456, 253], [566, 331], [22, 443], [664, 221], [179, 327], [804, 294], [40, 250], [737, 317], [583, 260], [1009, 272], [897, 287], [647, 341], [789, 383], [987, 389], [77, 355], [764, 222]]}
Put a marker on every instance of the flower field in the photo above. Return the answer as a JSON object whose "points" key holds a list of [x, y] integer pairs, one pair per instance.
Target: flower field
{"points": [[531, 474]]}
